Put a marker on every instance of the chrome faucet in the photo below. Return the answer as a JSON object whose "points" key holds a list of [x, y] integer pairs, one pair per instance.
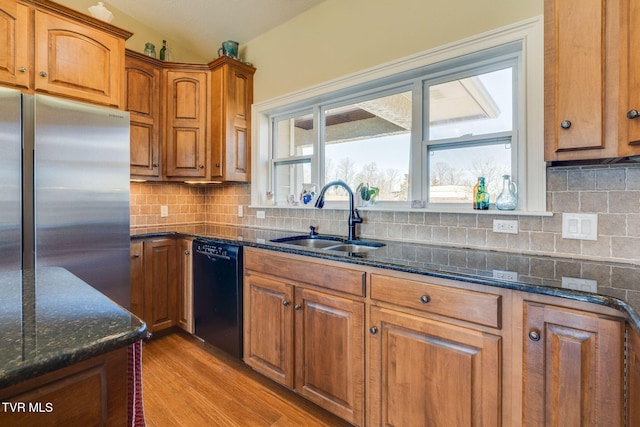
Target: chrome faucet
{"points": [[354, 216]]}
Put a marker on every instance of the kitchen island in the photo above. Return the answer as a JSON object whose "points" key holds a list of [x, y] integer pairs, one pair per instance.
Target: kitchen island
{"points": [[62, 341]]}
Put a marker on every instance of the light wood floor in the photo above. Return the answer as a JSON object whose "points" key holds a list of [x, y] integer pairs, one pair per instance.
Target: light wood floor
{"points": [[189, 384]]}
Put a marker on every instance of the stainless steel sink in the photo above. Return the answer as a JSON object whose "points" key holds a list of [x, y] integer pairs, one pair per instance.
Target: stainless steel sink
{"points": [[329, 243], [352, 247], [308, 241]]}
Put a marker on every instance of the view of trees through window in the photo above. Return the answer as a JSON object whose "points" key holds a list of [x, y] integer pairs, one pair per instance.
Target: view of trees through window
{"points": [[370, 143]]}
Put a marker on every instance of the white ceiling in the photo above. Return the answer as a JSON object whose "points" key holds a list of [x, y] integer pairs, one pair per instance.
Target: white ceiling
{"points": [[203, 25]]}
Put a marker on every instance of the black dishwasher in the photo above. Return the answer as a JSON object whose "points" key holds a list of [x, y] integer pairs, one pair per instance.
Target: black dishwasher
{"points": [[217, 294]]}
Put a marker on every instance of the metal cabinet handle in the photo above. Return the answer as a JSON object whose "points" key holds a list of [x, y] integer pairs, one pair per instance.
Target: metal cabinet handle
{"points": [[373, 330], [22, 69], [200, 166], [297, 307], [217, 165], [632, 114], [43, 74], [136, 255], [566, 124], [534, 335], [286, 303], [155, 165], [425, 299], [187, 253]]}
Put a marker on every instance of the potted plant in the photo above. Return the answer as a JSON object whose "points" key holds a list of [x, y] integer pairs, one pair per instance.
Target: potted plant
{"points": [[367, 193]]}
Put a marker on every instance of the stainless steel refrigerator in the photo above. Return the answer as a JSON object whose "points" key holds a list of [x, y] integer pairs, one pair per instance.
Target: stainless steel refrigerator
{"points": [[64, 189]]}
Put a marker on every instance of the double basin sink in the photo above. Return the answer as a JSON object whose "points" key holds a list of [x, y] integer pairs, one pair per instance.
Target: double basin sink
{"points": [[329, 243]]}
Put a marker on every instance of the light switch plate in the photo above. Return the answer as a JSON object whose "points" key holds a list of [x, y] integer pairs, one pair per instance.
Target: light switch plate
{"points": [[580, 226], [260, 214], [164, 211]]}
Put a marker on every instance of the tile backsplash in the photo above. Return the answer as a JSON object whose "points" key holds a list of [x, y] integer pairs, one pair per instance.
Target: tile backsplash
{"points": [[611, 191]]}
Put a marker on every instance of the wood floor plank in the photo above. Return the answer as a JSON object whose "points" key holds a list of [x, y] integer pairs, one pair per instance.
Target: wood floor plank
{"points": [[187, 383]]}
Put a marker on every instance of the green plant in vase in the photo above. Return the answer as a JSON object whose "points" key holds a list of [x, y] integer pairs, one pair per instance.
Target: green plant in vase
{"points": [[367, 193]]}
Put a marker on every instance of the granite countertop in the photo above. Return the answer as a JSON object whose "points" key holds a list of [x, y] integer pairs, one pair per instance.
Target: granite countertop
{"points": [[50, 319], [613, 284]]}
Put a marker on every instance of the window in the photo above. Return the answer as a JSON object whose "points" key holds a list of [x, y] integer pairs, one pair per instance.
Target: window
{"points": [[469, 131], [425, 132]]}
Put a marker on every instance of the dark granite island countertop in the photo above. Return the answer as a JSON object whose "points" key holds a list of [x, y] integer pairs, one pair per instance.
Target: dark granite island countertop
{"points": [[50, 319]]}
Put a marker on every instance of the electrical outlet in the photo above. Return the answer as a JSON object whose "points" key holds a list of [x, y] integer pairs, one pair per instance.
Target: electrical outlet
{"points": [[585, 285], [505, 275], [580, 226], [505, 226], [260, 214], [164, 211], [240, 211]]}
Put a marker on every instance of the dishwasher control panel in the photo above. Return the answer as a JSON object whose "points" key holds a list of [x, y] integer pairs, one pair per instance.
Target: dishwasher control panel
{"points": [[210, 249]]}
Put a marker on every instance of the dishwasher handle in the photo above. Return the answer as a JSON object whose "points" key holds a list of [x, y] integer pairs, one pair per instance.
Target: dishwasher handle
{"points": [[210, 255]]}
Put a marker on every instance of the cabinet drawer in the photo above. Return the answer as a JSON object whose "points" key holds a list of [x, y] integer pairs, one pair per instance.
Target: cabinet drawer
{"points": [[328, 277], [469, 306]]}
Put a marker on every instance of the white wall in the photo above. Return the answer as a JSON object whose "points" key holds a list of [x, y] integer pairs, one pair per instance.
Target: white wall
{"points": [[142, 33], [340, 37]]}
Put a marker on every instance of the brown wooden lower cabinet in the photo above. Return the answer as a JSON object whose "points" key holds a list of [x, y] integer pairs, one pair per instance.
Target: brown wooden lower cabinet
{"points": [[161, 283], [424, 372], [306, 339], [573, 368], [90, 393]]}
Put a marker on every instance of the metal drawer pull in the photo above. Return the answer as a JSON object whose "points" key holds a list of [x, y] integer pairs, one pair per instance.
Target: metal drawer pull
{"points": [[425, 299], [22, 69], [373, 330], [632, 114], [534, 335], [297, 307], [285, 303], [566, 124], [43, 74]]}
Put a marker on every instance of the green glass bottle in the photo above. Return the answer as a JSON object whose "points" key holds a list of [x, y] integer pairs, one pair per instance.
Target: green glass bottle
{"points": [[163, 51], [481, 195]]}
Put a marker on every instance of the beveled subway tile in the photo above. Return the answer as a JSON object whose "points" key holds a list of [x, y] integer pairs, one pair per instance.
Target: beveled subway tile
{"points": [[610, 179]]}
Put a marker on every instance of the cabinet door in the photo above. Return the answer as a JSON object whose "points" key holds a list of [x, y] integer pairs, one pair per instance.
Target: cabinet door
{"points": [[268, 328], [77, 61], [330, 353], [186, 124], [14, 46], [580, 80], [232, 96], [142, 100], [428, 373], [160, 305], [633, 409], [137, 279], [185, 286], [629, 113], [572, 368]]}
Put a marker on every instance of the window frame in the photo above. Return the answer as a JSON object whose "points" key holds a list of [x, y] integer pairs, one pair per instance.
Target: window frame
{"points": [[530, 159]]}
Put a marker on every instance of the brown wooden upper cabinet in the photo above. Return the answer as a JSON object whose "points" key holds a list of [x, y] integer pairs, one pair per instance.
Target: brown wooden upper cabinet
{"points": [[186, 124], [142, 100], [74, 55], [231, 99], [592, 79], [202, 131]]}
